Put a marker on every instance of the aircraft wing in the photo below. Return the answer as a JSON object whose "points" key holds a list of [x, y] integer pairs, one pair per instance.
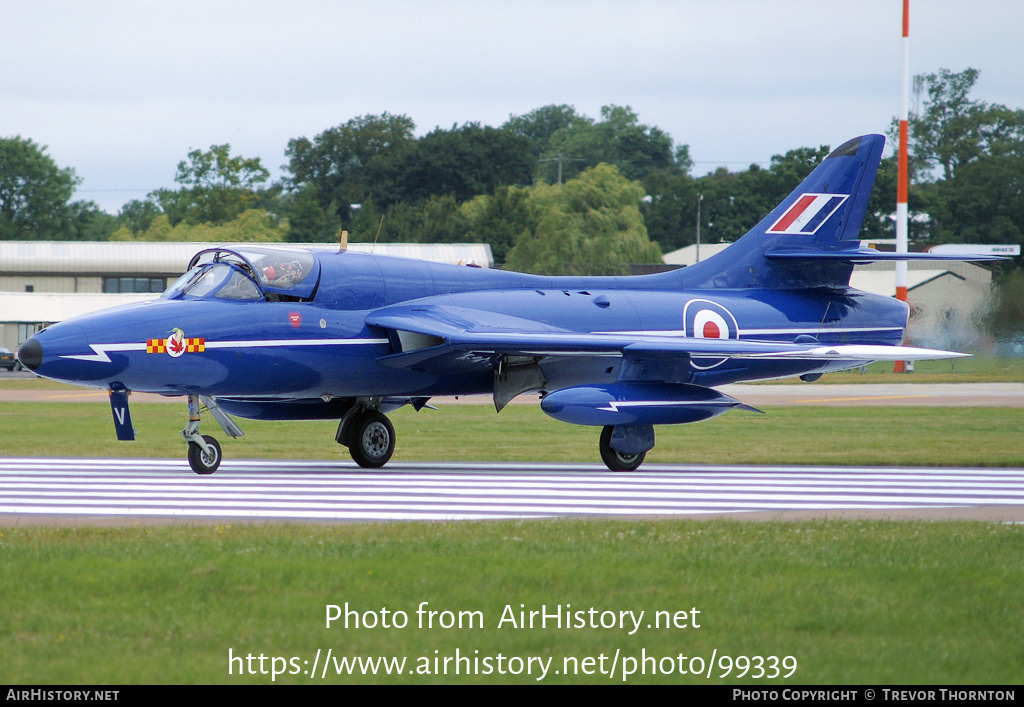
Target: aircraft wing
{"points": [[429, 334]]}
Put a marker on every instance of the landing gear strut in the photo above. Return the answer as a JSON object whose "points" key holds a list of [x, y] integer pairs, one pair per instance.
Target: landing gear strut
{"points": [[369, 436], [204, 455], [203, 450]]}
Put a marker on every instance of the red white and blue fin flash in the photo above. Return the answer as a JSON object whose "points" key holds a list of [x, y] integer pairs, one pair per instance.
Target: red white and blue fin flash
{"points": [[808, 214]]}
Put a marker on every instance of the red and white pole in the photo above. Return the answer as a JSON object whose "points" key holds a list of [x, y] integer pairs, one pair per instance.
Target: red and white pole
{"points": [[903, 164]]}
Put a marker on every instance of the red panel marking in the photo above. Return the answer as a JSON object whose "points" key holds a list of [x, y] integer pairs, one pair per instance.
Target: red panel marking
{"points": [[902, 162], [794, 212], [711, 331]]}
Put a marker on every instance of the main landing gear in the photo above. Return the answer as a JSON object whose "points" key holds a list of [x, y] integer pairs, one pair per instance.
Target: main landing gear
{"points": [[613, 458], [369, 436], [624, 447]]}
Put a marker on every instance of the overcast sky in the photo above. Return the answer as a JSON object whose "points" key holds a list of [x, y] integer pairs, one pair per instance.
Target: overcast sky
{"points": [[121, 91]]}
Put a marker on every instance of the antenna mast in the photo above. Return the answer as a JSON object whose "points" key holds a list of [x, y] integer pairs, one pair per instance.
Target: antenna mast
{"points": [[903, 163]]}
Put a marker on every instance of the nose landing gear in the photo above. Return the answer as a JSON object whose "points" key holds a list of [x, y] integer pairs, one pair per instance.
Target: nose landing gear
{"points": [[204, 453]]}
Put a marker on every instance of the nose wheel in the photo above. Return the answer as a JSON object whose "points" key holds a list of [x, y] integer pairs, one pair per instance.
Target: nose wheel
{"points": [[204, 461]]}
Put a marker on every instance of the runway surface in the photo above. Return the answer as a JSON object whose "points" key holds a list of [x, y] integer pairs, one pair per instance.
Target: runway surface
{"points": [[127, 491]]}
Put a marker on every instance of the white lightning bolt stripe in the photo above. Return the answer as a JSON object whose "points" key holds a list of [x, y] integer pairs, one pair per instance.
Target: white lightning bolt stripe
{"points": [[100, 351], [615, 405]]}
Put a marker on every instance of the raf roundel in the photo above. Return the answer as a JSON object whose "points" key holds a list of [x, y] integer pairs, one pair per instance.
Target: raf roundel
{"points": [[704, 319], [708, 324]]}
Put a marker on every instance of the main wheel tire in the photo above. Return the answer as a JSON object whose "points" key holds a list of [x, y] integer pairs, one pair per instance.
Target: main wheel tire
{"points": [[614, 459], [371, 440], [202, 462]]}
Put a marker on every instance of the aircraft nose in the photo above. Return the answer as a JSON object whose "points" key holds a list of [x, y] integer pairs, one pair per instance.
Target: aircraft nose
{"points": [[31, 354]]}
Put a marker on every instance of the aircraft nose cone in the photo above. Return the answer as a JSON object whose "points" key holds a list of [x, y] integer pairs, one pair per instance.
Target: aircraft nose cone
{"points": [[31, 354]]}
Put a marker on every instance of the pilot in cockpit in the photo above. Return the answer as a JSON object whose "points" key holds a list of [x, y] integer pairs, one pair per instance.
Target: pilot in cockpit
{"points": [[280, 273]]}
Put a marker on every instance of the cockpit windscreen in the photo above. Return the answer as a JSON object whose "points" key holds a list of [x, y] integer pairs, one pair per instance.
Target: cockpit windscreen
{"points": [[246, 273]]}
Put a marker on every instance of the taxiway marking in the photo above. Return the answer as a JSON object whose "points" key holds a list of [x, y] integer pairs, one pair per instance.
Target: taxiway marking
{"points": [[860, 398]]}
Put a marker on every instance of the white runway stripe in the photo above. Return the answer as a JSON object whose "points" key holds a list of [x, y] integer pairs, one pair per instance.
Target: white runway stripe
{"points": [[452, 487], [431, 491]]}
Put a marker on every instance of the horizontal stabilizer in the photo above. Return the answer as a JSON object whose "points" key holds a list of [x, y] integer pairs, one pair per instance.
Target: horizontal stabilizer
{"points": [[859, 352], [749, 408], [868, 255]]}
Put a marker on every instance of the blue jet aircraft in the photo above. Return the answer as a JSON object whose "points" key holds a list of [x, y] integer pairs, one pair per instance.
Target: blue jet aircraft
{"points": [[271, 333]]}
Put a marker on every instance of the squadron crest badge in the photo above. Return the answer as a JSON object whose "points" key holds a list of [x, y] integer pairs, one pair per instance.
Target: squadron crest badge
{"points": [[176, 344]]}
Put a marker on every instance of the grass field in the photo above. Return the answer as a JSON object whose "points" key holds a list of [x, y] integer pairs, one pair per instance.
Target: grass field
{"points": [[785, 435], [850, 602]]}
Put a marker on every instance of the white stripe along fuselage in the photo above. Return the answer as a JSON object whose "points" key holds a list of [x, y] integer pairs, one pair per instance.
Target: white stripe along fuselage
{"points": [[100, 351]]}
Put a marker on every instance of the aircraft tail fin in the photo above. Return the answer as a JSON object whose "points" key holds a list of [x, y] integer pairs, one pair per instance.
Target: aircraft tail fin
{"points": [[811, 239]]}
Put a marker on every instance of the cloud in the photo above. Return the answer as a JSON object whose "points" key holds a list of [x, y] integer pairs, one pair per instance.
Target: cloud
{"points": [[122, 90]]}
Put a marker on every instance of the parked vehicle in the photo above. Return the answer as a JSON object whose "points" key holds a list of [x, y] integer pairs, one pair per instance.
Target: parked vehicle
{"points": [[7, 359]]}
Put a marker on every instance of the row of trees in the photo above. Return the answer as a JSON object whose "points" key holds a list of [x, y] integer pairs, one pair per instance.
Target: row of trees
{"points": [[967, 160], [35, 198], [550, 190]]}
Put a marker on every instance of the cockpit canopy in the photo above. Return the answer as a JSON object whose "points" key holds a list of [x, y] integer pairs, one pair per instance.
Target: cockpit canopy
{"points": [[249, 273]]}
